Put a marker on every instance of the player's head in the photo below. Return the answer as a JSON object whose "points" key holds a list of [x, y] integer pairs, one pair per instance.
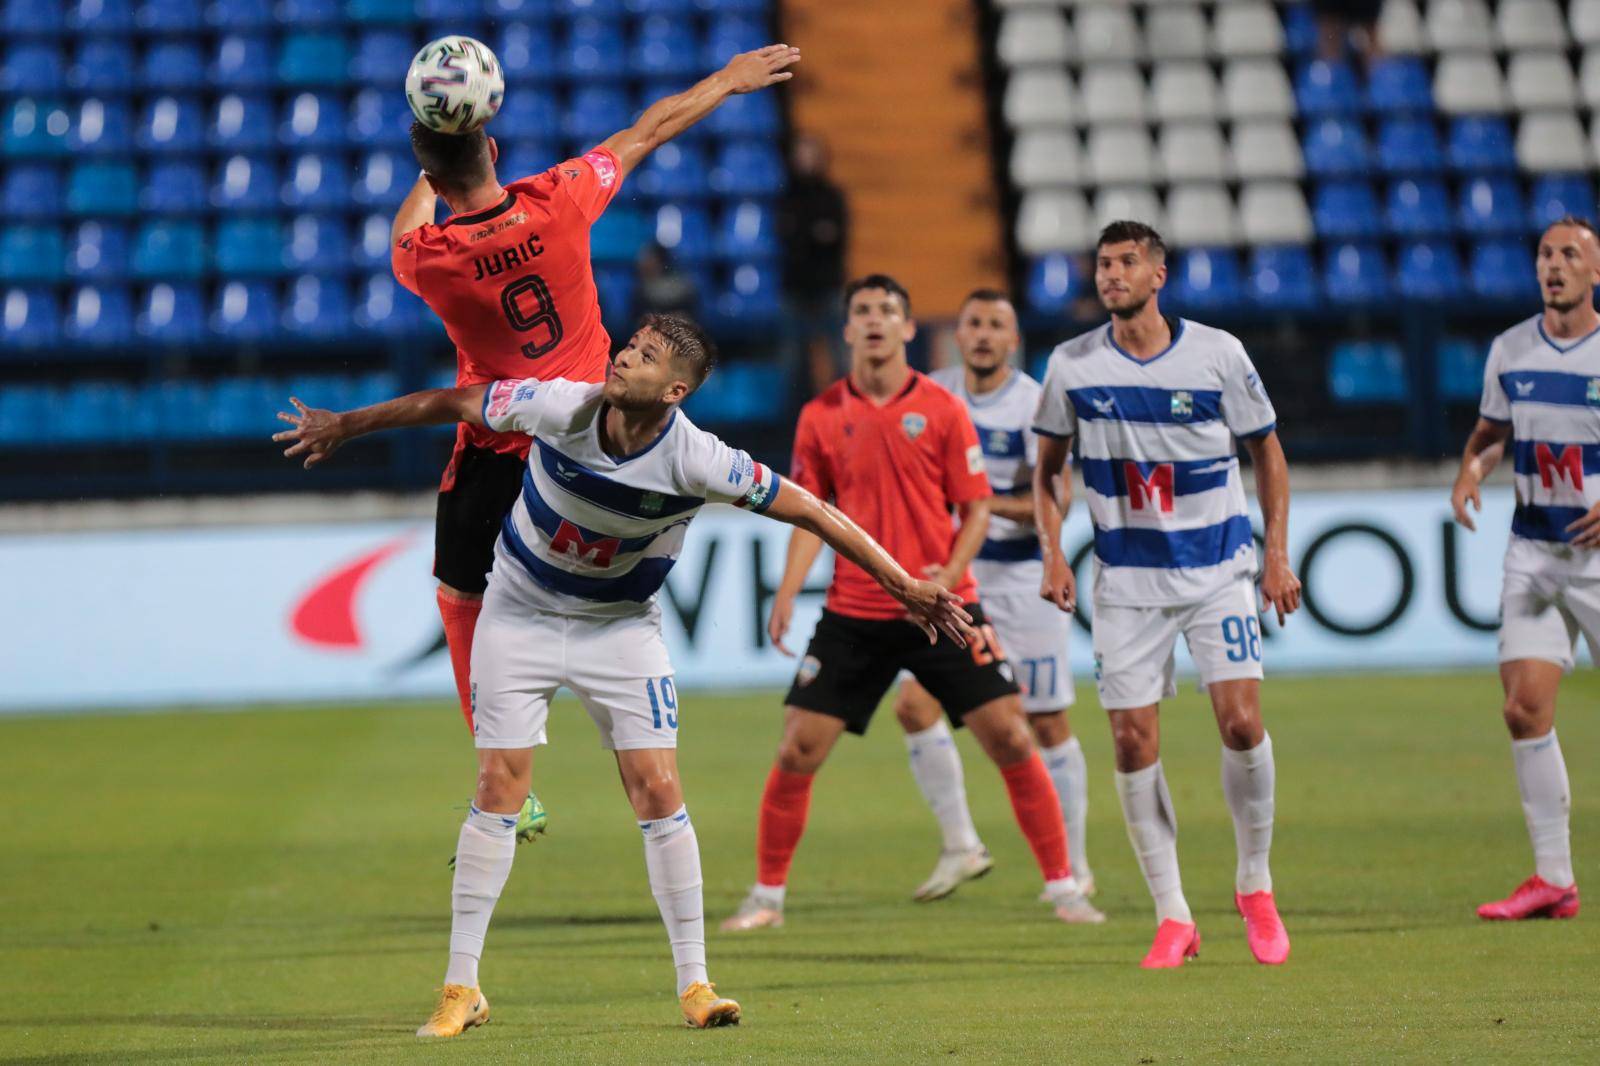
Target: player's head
{"points": [[986, 331], [1568, 263], [877, 318], [455, 163], [1130, 266], [666, 359]]}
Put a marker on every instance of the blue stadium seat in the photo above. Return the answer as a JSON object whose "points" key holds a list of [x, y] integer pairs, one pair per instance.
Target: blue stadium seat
{"points": [[665, 47], [1207, 278], [531, 115], [619, 235], [171, 314], [100, 18], [317, 244], [741, 393], [32, 253], [599, 9], [30, 18], [728, 36], [383, 306], [174, 187], [1503, 270], [383, 179], [317, 308], [593, 114], [746, 115], [1399, 85], [752, 296], [243, 406], [31, 191], [100, 316], [527, 53], [1355, 274], [379, 55], [592, 51], [1367, 372], [1336, 147], [310, 12], [1299, 29], [245, 183], [1491, 207], [1409, 145], [370, 249], [500, 10], [91, 412], [684, 232], [36, 129], [243, 124], [1556, 195], [34, 68], [246, 311], [1460, 364], [318, 183], [366, 389], [333, 391], [313, 59], [1283, 278], [101, 127], [1324, 88], [523, 159], [379, 118], [1346, 210], [1054, 281], [173, 66], [249, 247], [672, 8], [313, 120], [747, 230], [1418, 208], [243, 62], [31, 318], [103, 65], [103, 188], [1428, 270], [1481, 144], [182, 408], [168, 16], [240, 14], [171, 124], [169, 250], [673, 172], [748, 168], [616, 285], [391, 12], [98, 252]]}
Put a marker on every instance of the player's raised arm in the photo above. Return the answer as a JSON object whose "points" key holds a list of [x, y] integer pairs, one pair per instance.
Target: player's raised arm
{"points": [[317, 433], [1279, 586], [417, 209], [671, 115], [1060, 587]]}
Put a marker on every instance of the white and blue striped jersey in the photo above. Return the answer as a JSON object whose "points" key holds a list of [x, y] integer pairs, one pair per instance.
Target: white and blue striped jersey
{"points": [[1004, 421], [1549, 392], [598, 534], [1156, 451]]}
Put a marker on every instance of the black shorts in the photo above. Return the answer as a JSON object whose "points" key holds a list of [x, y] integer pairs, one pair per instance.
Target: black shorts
{"points": [[851, 662], [470, 511]]}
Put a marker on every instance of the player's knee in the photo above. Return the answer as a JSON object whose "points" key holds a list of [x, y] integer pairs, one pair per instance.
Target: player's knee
{"points": [[499, 786], [1135, 741], [1524, 717], [1240, 727], [1051, 729], [800, 755], [656, 795], [1006, 739]]}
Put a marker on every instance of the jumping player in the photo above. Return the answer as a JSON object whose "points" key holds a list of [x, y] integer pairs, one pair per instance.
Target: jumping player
{"points": [[616, 476], [1001, 400], [899, 454], [1541, 393], [1155, 404]]}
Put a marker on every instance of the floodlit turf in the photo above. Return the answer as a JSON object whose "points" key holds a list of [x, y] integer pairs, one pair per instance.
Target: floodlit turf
{"points": [[270, 886]]}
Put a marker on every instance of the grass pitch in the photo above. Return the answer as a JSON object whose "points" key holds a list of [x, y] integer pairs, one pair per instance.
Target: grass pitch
{"points": [[270, 886]]}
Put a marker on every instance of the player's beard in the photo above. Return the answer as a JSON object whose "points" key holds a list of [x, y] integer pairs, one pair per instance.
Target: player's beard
{"points": [[1127, 310], [984, 373], [1565, 305]]}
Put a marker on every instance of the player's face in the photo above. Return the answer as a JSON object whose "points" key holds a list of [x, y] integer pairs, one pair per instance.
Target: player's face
{"points": [[986, 334], [1126, 276], [644, 374], [1568, 265], [876, 325]]}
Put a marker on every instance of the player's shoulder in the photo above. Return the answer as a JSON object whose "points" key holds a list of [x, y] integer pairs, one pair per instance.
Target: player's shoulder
{"points": [[1026, 386], [948, 378], [828, 402], [567, 404], [1524, 337], [1212, 340], [1084, 346]]}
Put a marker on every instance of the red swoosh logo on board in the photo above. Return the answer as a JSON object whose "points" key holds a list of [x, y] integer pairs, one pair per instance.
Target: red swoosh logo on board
{"points": [[326, 615]]}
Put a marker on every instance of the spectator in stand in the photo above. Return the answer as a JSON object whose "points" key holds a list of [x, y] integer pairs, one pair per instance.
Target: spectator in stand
{"points": [[663, 289], [1345, 23], [814, 223]]}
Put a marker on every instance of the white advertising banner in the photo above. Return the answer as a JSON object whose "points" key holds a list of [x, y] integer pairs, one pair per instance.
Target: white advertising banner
{"points": [[346, 612]]}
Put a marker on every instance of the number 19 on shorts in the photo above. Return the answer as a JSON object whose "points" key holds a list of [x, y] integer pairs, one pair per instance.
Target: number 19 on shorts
{"points": [[663, 707], [1243, 636]]}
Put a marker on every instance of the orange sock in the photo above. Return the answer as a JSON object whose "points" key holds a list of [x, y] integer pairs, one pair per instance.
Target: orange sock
{"points": [[1038, 811], [460, 620], [784, 807]]}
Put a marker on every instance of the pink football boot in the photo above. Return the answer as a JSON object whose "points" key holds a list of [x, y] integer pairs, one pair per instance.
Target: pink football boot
{"points": [[1175, 943], [1534, 898], [1269, 940]]}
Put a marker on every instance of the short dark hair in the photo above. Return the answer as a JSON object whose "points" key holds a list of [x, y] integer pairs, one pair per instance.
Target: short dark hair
{"points": [[688, 342], [877, 281], [1140, 233], [1574, 220], [985, 295], [457, 161]]}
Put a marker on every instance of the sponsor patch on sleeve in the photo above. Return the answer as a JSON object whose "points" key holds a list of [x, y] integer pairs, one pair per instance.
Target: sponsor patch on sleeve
{"points": [[975, 459], [604, 168], [502, 394]]}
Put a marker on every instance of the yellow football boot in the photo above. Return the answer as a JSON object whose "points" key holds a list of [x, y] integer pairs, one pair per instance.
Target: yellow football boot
{"points": [[704, 1009], [459, 1009]]}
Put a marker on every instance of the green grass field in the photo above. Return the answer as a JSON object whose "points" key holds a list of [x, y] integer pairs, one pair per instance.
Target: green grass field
{"points": [[270, 886]]}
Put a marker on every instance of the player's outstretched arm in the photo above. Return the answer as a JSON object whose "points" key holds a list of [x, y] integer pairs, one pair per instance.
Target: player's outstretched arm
{"points": [[1485, 445], [317, 433], [671, 115], [1049, 511], [1279, 587], [932, 607]]}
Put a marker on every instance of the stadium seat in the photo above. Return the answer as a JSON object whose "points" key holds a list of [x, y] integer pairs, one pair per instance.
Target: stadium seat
{"points": [[29, 18], [1207, 278], [103, 189], [370, 250], [1175, 31], [379, 54], [317, 244], [242, 62], [1399, 85], [100, 316], [1367, 372], [1355, 274], [1541, 81], [1282, 279], [169, 250], [1033, 97], [243, 183], [1530, 24], [1428, 270], [101, 127], [730, 35], [747, 231], [1299, 30], [619, 235], [1584, 20], [246, 311], [182, 407], [249, 247], [1033, 37], [1120, 155], [242, 14], [1274, 212], [32, 253], [502, 10], [312, 120], [1418, 208], [317, 308], [36, 129], [1503, 270], [611, 10], [102, 65], [1555, 196], [616, 286], [322, 183], [531, 115], [1112, 202], [1336, 147], [310, 12], [1460, 364], [243, 406], [98, 251], [171, 314], [1324, 88], [673, 172], [1468, 83], [313, 59], [752, 296], [174, 187], [1053, 221], [746, 115], [1346, 210], [1201, 216], [1491, 207], [1046, 157], [1589, 78], [1480, 145], [1400, 28], [527, 53], [243, 124], [100, 18], [171, 124], [379, 118], [1193, 151], [1256, 88], [1108, 33], [1246, 28], [383, 306], [676, 8], [750, 168], [684, 232], [743, 393], [390, 12], [593, 114], [1552, 141], [1460, 26], [1184, 91], [664, 47], [1409, 146], [168, 16], [1113, 92], [32, 319], [1266, 149], [173, 66], [31, 191], [1054, 281], [32, 68], [593, 50], [521, 159]]}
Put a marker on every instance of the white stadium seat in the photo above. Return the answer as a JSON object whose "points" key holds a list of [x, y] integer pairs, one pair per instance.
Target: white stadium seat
{"points": [[1540, 81], [1530, 24], [1046, 158], [1460, 26], [1033, 36], [1040, 96], [1267, 149], [1201, 216], [1135, 202], [1400, 28], [1246, 29], [1256, 88], [1585, 20], [1468, 83], [1193, 151], [1176, 32], [1054, 221], [1121, 155], [1274, 213], [1113, 92], [1589, 78], [1553, 141], [1183, 91], [1107, 32]]}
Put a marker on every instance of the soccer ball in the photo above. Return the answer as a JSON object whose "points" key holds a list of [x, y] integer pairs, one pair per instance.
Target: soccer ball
{"points": [[455, 85]]}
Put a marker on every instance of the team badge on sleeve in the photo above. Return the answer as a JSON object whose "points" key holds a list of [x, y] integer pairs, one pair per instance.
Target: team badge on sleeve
{"points": [[975, 459]]}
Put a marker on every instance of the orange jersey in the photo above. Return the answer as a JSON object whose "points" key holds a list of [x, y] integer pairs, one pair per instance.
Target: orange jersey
{"points": [[898, 470], [514, 285]]}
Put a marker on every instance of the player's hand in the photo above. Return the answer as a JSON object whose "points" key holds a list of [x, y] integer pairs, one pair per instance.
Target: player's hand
{"points": [[778, 621], [1280, 589], [317, 434], [749, 71], [935, 609], [1059, 586], [1587, 529], [1465, 491], [940, 575]]}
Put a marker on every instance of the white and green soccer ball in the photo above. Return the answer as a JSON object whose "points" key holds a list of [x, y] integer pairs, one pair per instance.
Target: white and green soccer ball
{"points": [[455, 85]]}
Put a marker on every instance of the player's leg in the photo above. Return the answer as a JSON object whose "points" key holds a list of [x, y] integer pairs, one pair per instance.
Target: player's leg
{"points": [[1063, 758], [936, 766]]}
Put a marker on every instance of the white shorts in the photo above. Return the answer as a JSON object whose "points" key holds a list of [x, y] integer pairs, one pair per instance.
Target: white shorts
{"points": [[1541, 617], [617, 667], [1134, 646], [1033, 635]]}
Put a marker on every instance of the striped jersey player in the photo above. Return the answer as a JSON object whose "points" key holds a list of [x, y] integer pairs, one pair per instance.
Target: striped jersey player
{"points": [[1155, 405], [1541, 398]]}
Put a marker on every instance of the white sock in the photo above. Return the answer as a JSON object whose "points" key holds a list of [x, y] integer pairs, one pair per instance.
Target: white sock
{"points": [[483, 862], [936, 764], [672, 858], [1071, 778], [1546, 802], [770, 895], [1248, 778], [1153, 832]]}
